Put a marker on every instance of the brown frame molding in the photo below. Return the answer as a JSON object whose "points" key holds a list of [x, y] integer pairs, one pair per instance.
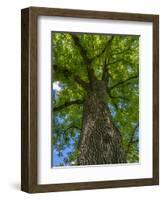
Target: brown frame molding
{"points": [[29, 99]]}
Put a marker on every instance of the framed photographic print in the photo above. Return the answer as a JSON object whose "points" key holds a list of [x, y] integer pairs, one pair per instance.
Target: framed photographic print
{"points": [[90, 99]]}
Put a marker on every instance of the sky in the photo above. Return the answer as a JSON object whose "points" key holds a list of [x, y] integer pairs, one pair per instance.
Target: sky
{"points": [[56, 159]]}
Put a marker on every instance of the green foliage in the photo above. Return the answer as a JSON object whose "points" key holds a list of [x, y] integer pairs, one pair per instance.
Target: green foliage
{"points": [[122, 56]]}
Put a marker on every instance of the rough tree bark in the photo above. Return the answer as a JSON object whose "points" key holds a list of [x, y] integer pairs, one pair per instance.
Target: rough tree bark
{"points": [[100, 141]]}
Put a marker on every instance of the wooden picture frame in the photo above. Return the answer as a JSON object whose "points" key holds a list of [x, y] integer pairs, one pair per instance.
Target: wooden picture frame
{"points": [[29, 112]]}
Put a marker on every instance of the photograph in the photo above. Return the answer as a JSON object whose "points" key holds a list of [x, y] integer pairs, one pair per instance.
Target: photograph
{"points": [[90, 99], [94, 99]]}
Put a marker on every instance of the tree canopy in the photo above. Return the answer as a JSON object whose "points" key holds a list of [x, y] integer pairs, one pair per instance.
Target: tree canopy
{"points": [[114, 56]]}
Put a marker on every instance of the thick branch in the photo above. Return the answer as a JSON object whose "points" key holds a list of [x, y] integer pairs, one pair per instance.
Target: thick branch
{"points": [[123, 82], [86, 60], [81, 82], [67, 104], [105, 74], [83, 52], [104, 49], [67, 73]]}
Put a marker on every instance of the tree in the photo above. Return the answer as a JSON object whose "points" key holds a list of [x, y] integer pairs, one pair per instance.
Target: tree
{"points": [[96, 109]]}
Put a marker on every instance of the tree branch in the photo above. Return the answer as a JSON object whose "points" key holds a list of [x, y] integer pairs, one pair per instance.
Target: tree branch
{"points": [[129, 48], [72, 126], [135, 141], [83, 52], [67, 104], [120, 60], [123, 51], [105, 75], [104, 49], [116, 97], [67, 73], [123, 82], [131, 138], [86, 60]]}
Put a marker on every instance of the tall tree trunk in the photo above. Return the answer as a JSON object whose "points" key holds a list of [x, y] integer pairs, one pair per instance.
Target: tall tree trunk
{"points": [[100, 141]]}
